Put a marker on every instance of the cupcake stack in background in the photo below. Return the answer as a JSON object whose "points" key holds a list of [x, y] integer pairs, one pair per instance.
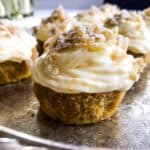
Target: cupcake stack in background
{"points": [[86, 62]]}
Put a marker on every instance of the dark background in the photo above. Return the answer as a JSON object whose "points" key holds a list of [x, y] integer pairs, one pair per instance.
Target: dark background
{"points": [[130, 4], [84, 4]]}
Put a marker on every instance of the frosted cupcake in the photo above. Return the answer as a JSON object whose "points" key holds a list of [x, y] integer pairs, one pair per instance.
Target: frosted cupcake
{"points": [[132, 25], [50, 27], [85, 75], [17, 52]]}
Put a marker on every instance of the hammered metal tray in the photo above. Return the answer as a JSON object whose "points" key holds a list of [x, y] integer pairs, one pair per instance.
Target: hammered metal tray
{"points": [[129, 128]]}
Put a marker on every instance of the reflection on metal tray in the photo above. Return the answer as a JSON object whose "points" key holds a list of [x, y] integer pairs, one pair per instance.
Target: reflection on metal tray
{"points": [[129, 128]]}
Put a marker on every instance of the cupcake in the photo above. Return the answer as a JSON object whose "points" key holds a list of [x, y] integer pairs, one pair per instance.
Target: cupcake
{"points": [[17, 52], [50, 27], [85, 75], [132, 26]]}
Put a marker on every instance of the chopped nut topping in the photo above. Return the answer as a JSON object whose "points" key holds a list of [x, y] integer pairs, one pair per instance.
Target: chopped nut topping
{"points": [[52, 26], [124, 15], [139, 63], [90, 37], [93, 38], [58, 16], [113, 21], [89, 13]]}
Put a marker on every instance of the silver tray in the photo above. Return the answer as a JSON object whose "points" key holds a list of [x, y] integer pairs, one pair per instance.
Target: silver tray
{"points": [[128, 129]]}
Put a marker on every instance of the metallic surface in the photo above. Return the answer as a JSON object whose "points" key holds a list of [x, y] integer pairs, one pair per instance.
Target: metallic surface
{"points": [[129, 128]]}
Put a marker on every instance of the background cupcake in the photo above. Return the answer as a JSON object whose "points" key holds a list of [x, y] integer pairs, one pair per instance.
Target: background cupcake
{"points": [[50, 27], [17, 52], [132, 26]]}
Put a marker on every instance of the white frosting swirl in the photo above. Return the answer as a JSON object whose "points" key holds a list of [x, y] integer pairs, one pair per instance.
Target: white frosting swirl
{"points": [[15, 44], [132, 25], [98, 63]]}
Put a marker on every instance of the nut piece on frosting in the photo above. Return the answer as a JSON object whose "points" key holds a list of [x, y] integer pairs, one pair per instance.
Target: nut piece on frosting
{"points": [[132, 25]]}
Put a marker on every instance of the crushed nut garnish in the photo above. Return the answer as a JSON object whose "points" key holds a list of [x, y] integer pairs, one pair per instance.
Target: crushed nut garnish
{"points": [[124, 15], [91, 37], [58, 16]]}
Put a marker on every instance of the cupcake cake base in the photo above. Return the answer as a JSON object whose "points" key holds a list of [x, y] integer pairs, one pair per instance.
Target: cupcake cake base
{"points": [[12, 71], [78, 109]]}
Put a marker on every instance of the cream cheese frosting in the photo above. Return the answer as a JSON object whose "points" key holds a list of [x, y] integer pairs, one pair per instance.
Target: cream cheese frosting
{"points": [[87, 59], [132, 25], [52, 25], [15, 43]]}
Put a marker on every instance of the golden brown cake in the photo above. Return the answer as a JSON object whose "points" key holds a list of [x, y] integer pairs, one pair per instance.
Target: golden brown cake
{"points": [[79, 108], [13, 71], [85, 75], [50, 27], [17, 52]]}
